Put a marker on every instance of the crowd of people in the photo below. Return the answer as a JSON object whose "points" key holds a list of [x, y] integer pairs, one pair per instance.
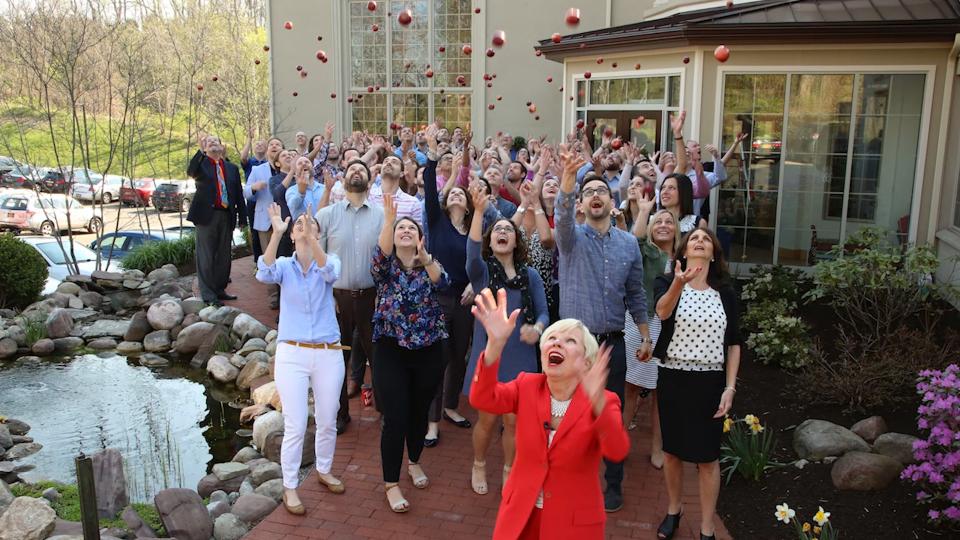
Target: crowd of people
{"points": [[557, 286]]}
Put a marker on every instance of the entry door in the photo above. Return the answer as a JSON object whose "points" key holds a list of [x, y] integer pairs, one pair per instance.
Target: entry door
{"points": [[627, 125]]}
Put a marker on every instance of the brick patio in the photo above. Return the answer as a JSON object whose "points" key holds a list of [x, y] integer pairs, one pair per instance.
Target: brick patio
{"points": [[448, 508]]}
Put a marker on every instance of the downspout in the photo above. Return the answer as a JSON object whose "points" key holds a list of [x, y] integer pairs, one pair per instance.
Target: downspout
{"points": [[953, 70]]}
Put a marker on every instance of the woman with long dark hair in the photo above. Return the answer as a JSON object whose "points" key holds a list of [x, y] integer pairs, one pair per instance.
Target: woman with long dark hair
{"points": [[699, 352], [676, 195], [500, 262]]}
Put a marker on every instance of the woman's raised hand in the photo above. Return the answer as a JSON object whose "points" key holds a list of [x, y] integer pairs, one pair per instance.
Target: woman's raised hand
{"points": [[479, 197], [594, 381], [685, 275], [491, 312], [276, 220]]}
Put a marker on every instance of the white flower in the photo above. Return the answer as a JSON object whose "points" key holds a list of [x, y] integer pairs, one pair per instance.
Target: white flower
{"points": [[821, 517], [784, 513]]}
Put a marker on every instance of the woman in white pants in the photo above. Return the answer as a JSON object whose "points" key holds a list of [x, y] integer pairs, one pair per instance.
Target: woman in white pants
{"points": [[308, 351]]}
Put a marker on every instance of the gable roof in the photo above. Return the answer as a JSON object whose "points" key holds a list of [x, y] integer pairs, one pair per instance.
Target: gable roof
{"points": [[777, 22]]}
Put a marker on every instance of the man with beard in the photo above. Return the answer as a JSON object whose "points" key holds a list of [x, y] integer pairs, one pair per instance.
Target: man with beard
{"points": [[601, 275], [307, 192], [610, 164], [407, 144], [350, 229], [494, 179], [516, 175], [390, 173]]}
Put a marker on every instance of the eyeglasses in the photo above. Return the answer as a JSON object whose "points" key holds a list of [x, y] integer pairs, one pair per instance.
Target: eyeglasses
{"points": [[504, 228], [590, 192]]}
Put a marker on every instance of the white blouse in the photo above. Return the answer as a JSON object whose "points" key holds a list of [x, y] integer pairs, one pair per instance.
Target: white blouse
{"points": [[699, 327]]}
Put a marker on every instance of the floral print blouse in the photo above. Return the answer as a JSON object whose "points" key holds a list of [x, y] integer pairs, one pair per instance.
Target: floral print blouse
{"points": [[407, 306]]}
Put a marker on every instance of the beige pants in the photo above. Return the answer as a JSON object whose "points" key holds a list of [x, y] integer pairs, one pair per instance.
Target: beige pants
{"points": [[264, 241]]}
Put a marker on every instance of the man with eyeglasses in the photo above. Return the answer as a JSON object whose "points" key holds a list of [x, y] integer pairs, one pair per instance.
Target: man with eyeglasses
{"points": [[601, 276]]}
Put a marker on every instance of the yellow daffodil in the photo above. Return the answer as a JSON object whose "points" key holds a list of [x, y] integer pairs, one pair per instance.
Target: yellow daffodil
{"points": [[816, 530], [727, 425], [784, 513], [756, 428], [806, 527], [821, 517], [751, 419]]}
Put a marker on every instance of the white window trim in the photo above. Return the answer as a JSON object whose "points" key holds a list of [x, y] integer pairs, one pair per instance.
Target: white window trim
{"points": [[929, 70]]}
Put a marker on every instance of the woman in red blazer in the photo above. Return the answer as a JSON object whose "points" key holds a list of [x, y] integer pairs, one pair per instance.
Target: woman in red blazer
{"points": [[566, 422]]}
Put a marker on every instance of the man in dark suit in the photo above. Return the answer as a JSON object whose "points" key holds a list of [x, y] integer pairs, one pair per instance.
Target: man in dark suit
{"points": [[215, 210]]}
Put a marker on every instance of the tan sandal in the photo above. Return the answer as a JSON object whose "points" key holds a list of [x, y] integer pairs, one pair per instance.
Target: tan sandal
{"points": [[295, 509], [399, 505], [419, 478], [331, 482], [478, 477]]}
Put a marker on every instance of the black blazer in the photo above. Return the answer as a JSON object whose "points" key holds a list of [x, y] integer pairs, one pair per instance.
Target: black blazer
{"points": [[202, 209], [731, 307]]}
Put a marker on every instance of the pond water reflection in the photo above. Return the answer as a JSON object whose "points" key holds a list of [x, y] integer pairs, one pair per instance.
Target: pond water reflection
{"points": [[170, 424]]}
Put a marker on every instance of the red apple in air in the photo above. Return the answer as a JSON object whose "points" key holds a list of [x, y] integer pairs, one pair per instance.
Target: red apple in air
{"points": [[429, 73], [215, 78], [375, 28], [529, 103], [532, 108], [200, 87], [350, 99], [461, 80], [616, 144], [641, 120], [371, 5], [441, 90], [538, 53], [499, 98], [333, 95], [299, 68], [549, 79], [322, 56], [256, 61], [489, 85], [636, 66], [477, 11], [587, 75], [536, 117], [560, 89], [686, 59], [499, 38], [303, 74], [266, 47], [600, 60], [721, 53], [490, 53], [295, 94], [467, 50], [370, 89], [580, 124], [573, 17], [491, 106], [405, 17], [442, 49], [319, 38], [608, 132], [288, 25], [487, 77], [614, 65], [556, 37]]}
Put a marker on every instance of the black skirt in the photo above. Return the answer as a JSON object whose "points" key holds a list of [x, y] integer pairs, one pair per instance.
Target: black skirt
{"points": [[687, 401]]}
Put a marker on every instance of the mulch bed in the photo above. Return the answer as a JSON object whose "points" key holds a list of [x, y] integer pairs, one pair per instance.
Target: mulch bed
{"points": [[747, 508]]}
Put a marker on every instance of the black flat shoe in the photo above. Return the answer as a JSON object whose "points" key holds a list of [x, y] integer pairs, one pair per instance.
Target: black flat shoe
{"points": [[226, 296], [459, 423], [342, 424], [705, 537], [430, 443], [668, 527]]}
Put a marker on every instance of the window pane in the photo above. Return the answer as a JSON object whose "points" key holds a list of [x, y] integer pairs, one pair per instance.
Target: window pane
{"points": [[368, 61], [370, 113], [410, 47], [674, 83], [581, 93], [453, 109], [451, 30], [634, 91], [410, 110]]}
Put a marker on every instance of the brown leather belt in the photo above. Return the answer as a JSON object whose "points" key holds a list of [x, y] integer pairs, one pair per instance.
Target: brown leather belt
{"points": [[334, 346]]}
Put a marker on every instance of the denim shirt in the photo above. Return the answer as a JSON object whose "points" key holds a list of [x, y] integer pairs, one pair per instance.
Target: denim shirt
{"points": [[308, 313], [601, 276]]}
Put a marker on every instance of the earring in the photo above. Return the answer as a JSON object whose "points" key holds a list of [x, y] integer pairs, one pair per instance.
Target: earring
{"points": [[712, 259]]}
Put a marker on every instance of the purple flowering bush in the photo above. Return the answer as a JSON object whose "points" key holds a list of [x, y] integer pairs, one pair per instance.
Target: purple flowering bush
{"points": [[937, 471]]}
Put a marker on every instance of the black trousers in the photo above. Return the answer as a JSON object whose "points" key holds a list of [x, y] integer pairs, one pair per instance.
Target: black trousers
{"points": [[213, 255], [616, 382], [405, 381], [354, 313], [459, 321]]}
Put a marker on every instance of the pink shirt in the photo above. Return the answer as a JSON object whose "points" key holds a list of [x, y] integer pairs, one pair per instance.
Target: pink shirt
{"points": [[407, 205]]}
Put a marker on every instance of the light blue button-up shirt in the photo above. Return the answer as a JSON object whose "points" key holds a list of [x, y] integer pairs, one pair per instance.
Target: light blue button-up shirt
{"points": [[601, 276], [298, 203], [308, 313], [263, 198]]}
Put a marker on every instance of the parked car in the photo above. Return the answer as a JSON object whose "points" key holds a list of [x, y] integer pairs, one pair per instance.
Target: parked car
{"points": [[7, 164], [238, 238], [46, 213], [123, 242], [21, 176], [766, 147], [138, 192], [57, 266], [60, 180], [174, 195], [104, 189]]}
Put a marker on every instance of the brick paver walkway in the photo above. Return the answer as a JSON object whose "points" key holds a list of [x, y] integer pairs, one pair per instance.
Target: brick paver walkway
{"points": [[448, 508]]}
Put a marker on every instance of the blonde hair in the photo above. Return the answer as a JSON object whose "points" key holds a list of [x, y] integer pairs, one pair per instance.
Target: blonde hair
{"points": [[590, 345], [676, 230]]}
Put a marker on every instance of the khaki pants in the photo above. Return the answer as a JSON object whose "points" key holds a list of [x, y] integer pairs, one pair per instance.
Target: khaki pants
{"points": [[274, 289]]}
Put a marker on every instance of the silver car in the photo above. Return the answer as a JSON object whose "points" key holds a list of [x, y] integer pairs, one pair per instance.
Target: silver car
{"points": [[56, 259], [96, 188], [23, 210]]}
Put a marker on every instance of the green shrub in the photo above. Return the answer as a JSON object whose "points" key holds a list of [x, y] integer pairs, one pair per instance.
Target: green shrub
{"points": [[23, 273], [152, 255], [781, 340], [758, 313], [775, 283]]}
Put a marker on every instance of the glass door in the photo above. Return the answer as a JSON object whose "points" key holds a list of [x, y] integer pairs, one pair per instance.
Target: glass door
{"points": [[642, 128]]}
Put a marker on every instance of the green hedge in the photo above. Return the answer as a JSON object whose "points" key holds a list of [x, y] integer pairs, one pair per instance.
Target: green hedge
{"points": [[23, 273], [153, 255]]}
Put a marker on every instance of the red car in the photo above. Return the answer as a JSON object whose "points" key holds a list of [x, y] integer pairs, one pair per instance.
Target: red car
{"points": [[140, 194]]}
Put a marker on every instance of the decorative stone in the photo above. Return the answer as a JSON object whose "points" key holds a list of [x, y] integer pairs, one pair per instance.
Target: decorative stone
{"points": [[51, 494], [238, 361], [160, 275], [816, 439], [91, 299], [863, 471], [151, 360], [271, 488], [220, 368], [230, 470], [22, 450], [254, 344], [265, 471], [110, 482], [252, 508], [123, 300], [246, 454], [271, 348], [8, 348], [103, 344], [898, 446], [59, 299], [106, 328], [69, 288], [206, 312], [264, 425], [274, 443], [192, 305], [210, 483], [43, 347], [75, 303], [27, 518], [108, 277], [191, 337], [267, 395], [271, 336], [133, 274], [136, 524], [17, 427], [17, 334], [247, 327], [59, 324], [6, 497], [183, 514], [157, 341], [219, 496], [165, 315], [229, 527], [132, 283], [67, 344], [251, 371], [6, 439], [870, 428], [218, 508], [129, 348]]}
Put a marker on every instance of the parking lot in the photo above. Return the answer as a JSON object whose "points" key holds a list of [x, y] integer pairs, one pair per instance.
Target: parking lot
{"points": [[129, 218]]}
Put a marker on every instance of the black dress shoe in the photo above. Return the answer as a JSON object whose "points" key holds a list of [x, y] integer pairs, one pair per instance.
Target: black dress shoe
{"points": [[459, 423], [430, 443], [342, 424], [612, 500], [226, 296]]}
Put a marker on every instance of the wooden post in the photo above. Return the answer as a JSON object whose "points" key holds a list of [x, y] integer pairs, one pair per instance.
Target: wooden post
{"points": [[88, 498]]}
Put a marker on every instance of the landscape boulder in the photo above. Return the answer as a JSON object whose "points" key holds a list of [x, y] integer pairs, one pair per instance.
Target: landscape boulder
{"points": [[251, 371], [264, 472], [264, 425], [898, 446], [139, 327], [27, 518], [230, 470], [190, 338], [271, 488], [816, 439], [43, 347], [110, 482], [870, 428], [246, 327], [220, 368], [229, 527], [252, 507], [8, 347], [210, 483], [183, 514], [59, 324], [863, 471], [157, 341], [165, 314]]}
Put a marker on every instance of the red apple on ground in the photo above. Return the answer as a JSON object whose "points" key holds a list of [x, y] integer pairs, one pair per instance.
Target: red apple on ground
{"points": [[442, 49], [370, 89], [573, 17], [600, 60], [429, 73], [375, 28]]}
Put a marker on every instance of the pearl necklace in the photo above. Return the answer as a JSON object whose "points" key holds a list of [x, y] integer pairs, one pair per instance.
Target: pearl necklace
{"points": [[558, 408]]}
